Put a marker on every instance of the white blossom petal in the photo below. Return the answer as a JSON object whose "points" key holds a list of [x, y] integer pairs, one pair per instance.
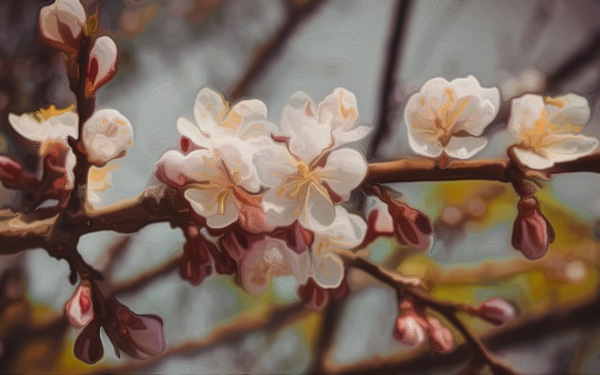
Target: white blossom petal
{"points": [[568, 109], [465, 147], [338, 109], [308, 137], [344, 170], [318, 211], [524, 113], [347, 231], [532, 160], [273, 161], [571, 147], [57, 127], [352, 135], [483, 107], [328, 269], [209, 110], [187, 129], [281, 208]]}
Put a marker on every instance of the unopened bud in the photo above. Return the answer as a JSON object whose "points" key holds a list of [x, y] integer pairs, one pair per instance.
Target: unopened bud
{"points": [[411, 226], [440, 336], [80, 309], [62, 24], [102, 64], [88, 346], [410, 329], [532, 233], [313, 296], [497, 311], [137, 335]]}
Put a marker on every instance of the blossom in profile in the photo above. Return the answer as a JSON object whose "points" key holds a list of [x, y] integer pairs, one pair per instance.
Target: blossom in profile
{"points": [[450, 117], [51, 128], [315, 173], [107, 135], [62, 23], [548, 130]]}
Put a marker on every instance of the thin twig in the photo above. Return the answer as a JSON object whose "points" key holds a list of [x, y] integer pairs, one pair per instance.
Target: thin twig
{"points": [[267, 54], [133, 285], [392, 62]]}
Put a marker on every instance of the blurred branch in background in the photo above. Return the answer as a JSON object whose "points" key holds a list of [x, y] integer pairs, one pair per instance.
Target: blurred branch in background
{"points": [[396, 41], [296, 15]]}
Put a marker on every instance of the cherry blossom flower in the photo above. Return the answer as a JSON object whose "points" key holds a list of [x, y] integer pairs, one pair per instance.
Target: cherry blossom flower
{"points": [[102, 64], [50, 128], [220, 184], [547, 129], [80, 309], [318, 174], [273, 255], [214, 119], [62, 23], [449, 117], [107, 135]]}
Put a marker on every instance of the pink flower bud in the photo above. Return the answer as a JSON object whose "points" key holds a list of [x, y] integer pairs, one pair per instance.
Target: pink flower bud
{"points": [[497, 311], [440, 336], [88, 346], [80, 309], [62, 24], [410, 329], [532, 233], [102, 64], [137, 335]]}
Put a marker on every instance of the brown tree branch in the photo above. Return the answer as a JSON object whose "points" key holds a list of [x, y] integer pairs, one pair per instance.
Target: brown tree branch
{"points": [[412, 170], [267, 54], [526, 329], [447, 309]]}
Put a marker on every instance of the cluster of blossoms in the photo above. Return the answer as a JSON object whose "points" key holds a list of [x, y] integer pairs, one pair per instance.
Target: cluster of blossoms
{"points": [[236, 168]]}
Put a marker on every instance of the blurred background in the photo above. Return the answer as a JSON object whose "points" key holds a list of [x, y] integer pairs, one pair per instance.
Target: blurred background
{"points": [[169, 50]]}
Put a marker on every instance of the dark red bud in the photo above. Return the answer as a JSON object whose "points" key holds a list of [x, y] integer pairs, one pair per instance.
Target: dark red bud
{"points": [[411, 226], [196, 263], [88, 346], [532, 233], [313, 296], [137, 335]]}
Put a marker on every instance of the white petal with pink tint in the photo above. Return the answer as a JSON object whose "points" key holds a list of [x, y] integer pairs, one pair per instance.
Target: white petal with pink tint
{"points": [[308, 137], [344, 170]]}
